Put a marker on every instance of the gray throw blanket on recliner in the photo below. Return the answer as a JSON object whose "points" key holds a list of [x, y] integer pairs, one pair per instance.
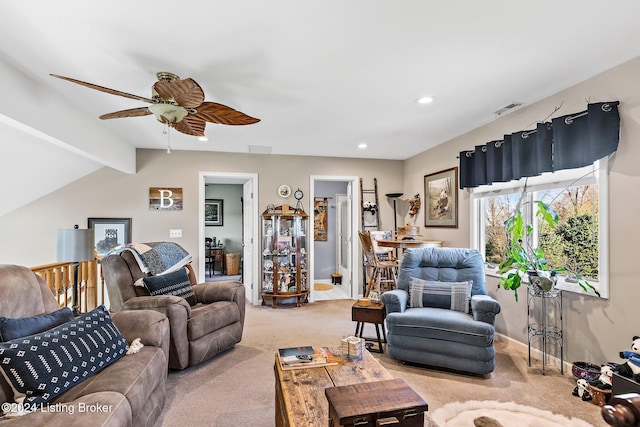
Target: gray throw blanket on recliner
{"points": [[157, 257]]}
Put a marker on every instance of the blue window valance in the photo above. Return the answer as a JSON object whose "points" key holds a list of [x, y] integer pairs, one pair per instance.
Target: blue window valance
{"points": [[567, 142]]}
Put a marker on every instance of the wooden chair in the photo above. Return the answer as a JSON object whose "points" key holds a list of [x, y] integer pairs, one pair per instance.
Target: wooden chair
{"points": [[383, 254], [209, 243], [381, 275]]}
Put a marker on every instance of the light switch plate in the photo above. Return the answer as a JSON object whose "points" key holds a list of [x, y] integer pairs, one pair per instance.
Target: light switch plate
{"points": [[175, 233]]}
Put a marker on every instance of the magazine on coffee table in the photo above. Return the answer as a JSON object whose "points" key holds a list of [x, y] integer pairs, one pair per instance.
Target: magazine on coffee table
{"points": [[305, 357], [296, 351]]}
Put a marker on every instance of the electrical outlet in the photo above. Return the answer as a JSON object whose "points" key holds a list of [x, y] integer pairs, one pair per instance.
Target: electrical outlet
{"points": [[175, 233]]}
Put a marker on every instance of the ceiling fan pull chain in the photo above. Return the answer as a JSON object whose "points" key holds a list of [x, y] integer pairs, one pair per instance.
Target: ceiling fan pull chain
{"points": [[167, 130]]}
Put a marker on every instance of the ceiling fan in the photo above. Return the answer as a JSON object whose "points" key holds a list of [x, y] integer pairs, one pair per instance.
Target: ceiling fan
{"points": [[177, 103]]}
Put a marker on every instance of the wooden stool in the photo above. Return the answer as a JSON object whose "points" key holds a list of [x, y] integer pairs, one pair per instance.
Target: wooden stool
{"points": [[336, 279], [374, 314]]}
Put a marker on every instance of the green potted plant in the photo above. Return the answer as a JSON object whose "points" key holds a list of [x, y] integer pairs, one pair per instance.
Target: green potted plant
{"points": [[523, 259]]}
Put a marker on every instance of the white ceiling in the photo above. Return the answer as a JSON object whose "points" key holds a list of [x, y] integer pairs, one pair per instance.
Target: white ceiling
{"points": [[323, 75]]}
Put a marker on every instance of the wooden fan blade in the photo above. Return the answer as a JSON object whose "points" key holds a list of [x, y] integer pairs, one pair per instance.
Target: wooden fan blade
{"points": [[187, 93], [218, 113], [104, 89], [190, 125], [133, 112]]}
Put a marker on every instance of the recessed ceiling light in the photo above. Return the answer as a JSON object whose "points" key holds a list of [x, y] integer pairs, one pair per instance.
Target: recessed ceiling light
{"points": [[425, 100], [362, 145], [203, 138]]}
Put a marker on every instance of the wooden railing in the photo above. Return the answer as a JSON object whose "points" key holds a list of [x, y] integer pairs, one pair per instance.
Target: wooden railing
{"points": [[59, 278]]}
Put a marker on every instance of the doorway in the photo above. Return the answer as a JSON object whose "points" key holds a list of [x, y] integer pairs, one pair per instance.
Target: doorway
{"points": [[247, 245], [340, 253]]}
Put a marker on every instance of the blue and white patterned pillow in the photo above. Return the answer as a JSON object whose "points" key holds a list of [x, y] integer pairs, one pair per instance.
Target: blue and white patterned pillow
{"points": [[42, 366], [451, 295], [176, 283]]}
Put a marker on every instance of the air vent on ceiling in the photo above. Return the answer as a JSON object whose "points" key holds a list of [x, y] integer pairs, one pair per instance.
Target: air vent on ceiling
{"points": [[508, 108], [260, 149]]}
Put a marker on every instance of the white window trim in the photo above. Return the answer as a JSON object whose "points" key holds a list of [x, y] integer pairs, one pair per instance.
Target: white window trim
{"points": [[597, 173]]}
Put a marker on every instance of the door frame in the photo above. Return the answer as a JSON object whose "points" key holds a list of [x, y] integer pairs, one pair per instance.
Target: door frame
{"points": [[212, 177], [355, 202], [339, 200]]}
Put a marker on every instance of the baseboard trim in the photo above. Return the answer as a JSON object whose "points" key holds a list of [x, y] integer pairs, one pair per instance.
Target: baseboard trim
{"points": [[552, 360]]}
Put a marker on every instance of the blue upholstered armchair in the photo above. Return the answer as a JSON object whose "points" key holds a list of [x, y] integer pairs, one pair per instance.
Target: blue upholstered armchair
{"points": [[440, 314]]}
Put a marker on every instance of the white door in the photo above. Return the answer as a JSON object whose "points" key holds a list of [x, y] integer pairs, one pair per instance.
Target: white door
{"points": [[343, 241], [248, 239]]}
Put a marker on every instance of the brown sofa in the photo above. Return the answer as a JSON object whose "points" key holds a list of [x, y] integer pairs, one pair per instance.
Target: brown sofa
{"points": [[129, 392], [198, 332]]}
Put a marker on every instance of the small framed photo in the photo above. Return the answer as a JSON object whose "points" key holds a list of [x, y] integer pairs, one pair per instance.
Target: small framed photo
{"points": [[213, 212], [109, 233], [441, 199]]}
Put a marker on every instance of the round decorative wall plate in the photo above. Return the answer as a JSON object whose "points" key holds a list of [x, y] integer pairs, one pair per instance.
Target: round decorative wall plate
{"points": [[284, 191], [298, 194]]}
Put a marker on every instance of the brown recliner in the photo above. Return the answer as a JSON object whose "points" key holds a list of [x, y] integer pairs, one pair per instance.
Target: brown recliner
{"points": [[213, 325], [129, 392]]}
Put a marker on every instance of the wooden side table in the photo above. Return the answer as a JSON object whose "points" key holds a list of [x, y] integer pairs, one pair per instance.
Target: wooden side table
{"points": [[374, 314], [218, 260]]}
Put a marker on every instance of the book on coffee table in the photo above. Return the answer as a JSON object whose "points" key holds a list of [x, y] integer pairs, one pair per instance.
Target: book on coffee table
{"points": [[305, 357], [296, 351]]}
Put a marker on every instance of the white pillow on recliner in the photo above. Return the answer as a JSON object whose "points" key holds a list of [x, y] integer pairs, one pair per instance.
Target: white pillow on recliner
{"points": [[450, 295]]}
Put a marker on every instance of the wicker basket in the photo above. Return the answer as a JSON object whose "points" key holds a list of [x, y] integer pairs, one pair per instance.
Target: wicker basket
{"points": [[232, 262]]}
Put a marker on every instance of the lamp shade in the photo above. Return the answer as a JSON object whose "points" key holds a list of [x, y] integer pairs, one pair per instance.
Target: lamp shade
{"points": [[75, 245]]}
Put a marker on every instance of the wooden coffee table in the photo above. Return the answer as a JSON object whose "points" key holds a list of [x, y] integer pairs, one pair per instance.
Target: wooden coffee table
{"points": [[300, 398]]}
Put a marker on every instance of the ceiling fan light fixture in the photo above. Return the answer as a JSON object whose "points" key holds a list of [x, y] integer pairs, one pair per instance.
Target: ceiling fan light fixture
{"points": [[168, 113], [176, 103]]}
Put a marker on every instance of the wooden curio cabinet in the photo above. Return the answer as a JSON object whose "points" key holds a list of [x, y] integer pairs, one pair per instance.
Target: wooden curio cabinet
{"points": [[284, 255]]}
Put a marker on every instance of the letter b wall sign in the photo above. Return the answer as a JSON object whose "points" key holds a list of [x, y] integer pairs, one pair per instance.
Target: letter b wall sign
{"points": [[165, 199]]}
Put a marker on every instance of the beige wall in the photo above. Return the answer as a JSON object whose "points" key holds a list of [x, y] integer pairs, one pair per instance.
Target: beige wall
{"points": [[29, 233], [230, 232], [596, 330]]}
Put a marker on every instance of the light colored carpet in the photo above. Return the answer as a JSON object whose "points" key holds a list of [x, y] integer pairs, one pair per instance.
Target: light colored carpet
{"points": [[236, 388], [322, 287], [463, 414]]}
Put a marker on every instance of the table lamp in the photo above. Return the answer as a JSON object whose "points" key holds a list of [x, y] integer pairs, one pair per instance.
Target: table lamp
{"points": [[76, 246]]}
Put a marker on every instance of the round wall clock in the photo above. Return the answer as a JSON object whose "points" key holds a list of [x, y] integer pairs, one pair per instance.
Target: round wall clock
{"points": [[298, 194], [284, 191]]}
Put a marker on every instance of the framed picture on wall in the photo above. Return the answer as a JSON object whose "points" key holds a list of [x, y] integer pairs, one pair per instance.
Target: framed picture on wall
{"points": [[110, 233], [213, 212], [441, 199], [320, 219]]}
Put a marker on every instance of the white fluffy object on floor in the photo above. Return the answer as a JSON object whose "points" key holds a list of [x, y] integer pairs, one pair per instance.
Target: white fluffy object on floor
{"points": [[463, 414], [135, 346]]}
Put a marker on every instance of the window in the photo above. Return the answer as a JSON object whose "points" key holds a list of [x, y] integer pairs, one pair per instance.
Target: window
{"points": [[579, 242]]}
